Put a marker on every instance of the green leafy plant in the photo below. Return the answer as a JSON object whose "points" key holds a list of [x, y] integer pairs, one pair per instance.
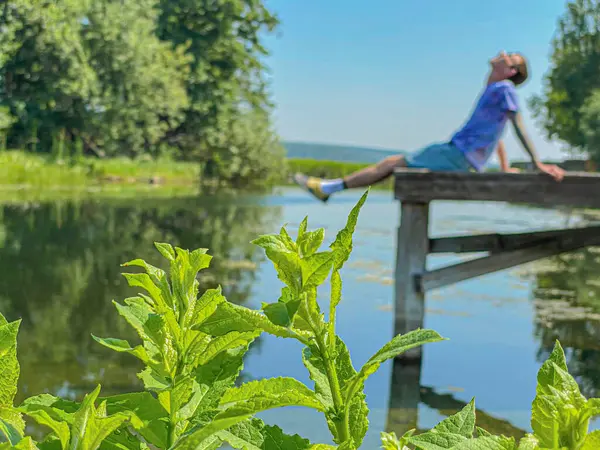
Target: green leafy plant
{"points": [[74, 426], [338, 387], [192, 348]]}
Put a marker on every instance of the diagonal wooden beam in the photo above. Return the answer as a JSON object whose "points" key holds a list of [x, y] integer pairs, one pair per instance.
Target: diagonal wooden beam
{"points": [[564, 242]]}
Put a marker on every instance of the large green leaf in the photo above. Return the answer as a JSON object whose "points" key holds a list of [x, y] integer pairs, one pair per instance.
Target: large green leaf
{"points": [[10, 432], [253, 434], [592, 441], [158, 276], [146, 414], [12, 416], [395, 347], [592, 408], [45, 415], [488, 443], [9, 364], [398, 345], [261, 395], [285, 260], [342, 246], [336, 298], [144, 281], [528, 442], [229, 317], [185, 398], [122, 439], [119, 345], [149, 325], [154, 381], [390, 441], [558, 404], [228, 341], [205, 306], [62, 409], [438, 441], [462, 423], [315, 269], [310, 241], [166, 250], [206, 437], [218, 375], [282, 312], [91, 426], [309, 316], [336, 289]]}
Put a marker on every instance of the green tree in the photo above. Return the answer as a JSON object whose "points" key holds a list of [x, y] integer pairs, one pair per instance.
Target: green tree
{"points": [[45, 79], [132, 77], [141, 78], [96, 69], [244, 151], [566, 108], [227, 87]]}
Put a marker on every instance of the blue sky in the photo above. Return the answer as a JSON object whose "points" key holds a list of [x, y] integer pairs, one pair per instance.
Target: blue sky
{"points": [[400, 74]]}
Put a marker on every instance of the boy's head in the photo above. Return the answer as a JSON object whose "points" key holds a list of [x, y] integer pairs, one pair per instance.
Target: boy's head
{"points": [[509, 66]]}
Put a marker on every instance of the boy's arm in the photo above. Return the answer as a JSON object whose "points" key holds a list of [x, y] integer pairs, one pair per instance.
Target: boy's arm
{"points": [[554, 171], [504, 165]]}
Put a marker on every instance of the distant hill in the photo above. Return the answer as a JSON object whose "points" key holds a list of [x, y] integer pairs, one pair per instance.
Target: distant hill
{"points": [[343, 153]]}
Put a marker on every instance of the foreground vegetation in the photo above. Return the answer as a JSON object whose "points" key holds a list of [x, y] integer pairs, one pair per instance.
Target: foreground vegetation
{"points": [[192, 348]]}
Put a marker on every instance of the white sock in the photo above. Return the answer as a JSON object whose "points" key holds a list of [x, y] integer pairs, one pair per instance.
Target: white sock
{"points": [[331, 186]]}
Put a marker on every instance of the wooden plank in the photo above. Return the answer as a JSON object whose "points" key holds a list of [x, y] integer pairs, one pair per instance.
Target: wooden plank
{"points": [[411, 255], [496, 242], [576, 189], [503, 260]]}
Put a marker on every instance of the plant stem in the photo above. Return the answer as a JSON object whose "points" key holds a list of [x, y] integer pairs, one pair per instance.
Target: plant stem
{"points": [[342, 430]]}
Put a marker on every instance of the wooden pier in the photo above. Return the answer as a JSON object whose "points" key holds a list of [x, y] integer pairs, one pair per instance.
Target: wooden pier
{"points": [[416, 189]]}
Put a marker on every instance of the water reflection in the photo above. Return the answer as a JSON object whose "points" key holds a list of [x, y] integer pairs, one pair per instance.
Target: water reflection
{"points": [[61, 269], [567, 304], [407, 392], [61, 264], [566, 300]]}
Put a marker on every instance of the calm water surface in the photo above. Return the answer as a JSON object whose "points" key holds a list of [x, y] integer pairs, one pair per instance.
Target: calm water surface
{"points": [[60, 262]]}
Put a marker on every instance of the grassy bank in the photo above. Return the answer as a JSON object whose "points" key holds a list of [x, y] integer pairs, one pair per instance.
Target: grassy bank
{"points": [[20, 170]]}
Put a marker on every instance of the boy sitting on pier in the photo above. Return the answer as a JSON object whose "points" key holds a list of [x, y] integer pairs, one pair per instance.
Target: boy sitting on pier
{"points": [[469, 148]]}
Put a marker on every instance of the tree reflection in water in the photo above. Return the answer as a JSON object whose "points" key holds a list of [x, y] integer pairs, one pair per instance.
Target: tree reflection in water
{"points": [[61, 270]]}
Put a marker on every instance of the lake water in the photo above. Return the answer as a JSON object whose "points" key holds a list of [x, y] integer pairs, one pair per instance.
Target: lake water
{"points": [[61, 268]]}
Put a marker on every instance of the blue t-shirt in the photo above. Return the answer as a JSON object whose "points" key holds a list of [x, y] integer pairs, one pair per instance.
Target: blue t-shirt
{"points": [[478, 138]]}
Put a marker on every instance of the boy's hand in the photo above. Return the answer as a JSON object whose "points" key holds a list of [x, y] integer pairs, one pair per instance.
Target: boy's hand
{"points": [[554, 171], [513, 170]]}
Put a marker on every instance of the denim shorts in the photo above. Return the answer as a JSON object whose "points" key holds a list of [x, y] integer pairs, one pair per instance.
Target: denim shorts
{"points": [[442, 157]]}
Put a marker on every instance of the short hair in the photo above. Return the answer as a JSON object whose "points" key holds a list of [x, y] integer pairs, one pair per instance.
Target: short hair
{"points": [[522, 71]]}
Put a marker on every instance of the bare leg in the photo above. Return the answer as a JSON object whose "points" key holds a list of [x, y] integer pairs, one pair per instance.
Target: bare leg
{"points": [[374, 174], [323, 189]]}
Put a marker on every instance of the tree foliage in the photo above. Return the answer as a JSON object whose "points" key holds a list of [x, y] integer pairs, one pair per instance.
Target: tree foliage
{"points": [[132, 77], [567, 107]]}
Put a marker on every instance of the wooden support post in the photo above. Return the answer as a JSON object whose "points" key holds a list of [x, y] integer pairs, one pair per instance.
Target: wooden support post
{"points": [[405, 393], [412, 248]]}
